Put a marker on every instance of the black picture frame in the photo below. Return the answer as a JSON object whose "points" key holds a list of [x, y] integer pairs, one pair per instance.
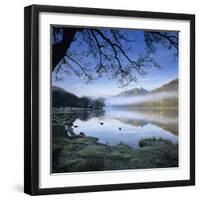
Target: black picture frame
{"points": [[31, 98]]}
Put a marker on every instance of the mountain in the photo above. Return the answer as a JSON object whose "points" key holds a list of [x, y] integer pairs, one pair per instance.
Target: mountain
{"points": [[164, 96], [133, 92], [168, 87], [57, 89], [63, 98]]}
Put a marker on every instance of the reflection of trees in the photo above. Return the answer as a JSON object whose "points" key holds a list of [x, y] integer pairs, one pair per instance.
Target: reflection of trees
{"points": [[69, 117], [84, 116], [112, 52]]}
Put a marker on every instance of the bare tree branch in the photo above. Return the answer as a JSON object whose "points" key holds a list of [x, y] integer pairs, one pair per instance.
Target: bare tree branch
{"points": [[110, 50], [81, 67]]}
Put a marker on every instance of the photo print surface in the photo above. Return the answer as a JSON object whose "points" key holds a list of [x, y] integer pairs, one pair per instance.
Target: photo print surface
{"points": [[114, 99]]}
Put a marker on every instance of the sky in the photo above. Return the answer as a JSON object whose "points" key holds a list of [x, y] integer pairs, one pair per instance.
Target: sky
{"points": [[103, 87]]}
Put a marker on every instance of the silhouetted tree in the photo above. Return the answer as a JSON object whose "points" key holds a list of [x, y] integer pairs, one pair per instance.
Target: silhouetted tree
{"points": [[85, 102], [99, 103], [64, 99], [168, 39], [112, 50]]}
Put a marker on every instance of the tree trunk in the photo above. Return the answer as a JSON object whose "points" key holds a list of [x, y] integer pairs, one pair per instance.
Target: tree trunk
{"points": [[59, 49]]}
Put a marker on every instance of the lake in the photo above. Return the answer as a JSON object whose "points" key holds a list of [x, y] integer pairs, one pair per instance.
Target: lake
{"points": [[113, 139], [113, 126]]}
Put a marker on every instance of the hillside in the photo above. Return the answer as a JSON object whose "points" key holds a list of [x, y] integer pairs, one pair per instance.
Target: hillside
{"points": [[164, 96], [168, 87], [167, 95], [133, 92], [63, 98]]}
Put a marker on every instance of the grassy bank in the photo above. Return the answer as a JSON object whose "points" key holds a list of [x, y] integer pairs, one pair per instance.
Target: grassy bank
{"points": [[81, 153]]}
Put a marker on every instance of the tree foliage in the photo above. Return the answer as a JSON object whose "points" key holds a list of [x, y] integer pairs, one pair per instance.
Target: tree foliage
{"points": [[62, 98]]}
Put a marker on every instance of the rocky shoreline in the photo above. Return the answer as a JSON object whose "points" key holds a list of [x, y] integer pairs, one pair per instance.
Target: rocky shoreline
{"points": [[80, 153]]}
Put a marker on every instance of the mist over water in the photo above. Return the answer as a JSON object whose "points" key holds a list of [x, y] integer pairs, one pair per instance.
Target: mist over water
{"points": [[117, 126], [149, 115], [120, 101]]}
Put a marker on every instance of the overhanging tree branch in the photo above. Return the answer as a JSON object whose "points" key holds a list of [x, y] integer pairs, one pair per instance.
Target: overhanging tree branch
{"points": [[109, 49]]}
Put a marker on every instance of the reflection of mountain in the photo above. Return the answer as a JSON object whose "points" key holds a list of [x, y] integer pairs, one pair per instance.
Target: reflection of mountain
{"points": [[166, 119], [164, 96], [133, 122], [171, 127]]}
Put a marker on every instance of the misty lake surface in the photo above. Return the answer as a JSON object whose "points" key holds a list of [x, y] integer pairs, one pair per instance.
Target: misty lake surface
{"points": [[128, 126]]}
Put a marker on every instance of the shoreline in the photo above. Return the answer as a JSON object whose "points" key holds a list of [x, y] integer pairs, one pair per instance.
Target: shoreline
{"points": [[85, 153]]}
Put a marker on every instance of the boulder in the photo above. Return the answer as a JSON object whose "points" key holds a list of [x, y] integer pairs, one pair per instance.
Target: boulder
{"points": [[82, 134]]}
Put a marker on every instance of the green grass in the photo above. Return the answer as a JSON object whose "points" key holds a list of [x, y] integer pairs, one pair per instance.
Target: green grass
{"points": [[80, 154]]}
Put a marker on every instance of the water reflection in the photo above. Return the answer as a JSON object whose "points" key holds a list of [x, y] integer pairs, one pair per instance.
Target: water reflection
{"points": [[122, 130], [114, 126], [163, 118]]}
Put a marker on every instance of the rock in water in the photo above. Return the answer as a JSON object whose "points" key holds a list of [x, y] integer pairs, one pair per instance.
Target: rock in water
{"points": [[82, 134]]}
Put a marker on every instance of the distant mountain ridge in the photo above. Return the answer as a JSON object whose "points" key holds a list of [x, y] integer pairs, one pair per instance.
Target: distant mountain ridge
{"points": [[163, 96], [133, 92], [168, 87]]}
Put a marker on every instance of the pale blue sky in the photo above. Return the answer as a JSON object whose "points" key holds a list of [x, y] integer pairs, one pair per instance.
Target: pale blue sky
{"points": [[105, 87]]}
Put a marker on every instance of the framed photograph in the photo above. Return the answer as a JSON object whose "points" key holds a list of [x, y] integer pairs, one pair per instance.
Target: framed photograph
{"points": [[109, 100]]}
